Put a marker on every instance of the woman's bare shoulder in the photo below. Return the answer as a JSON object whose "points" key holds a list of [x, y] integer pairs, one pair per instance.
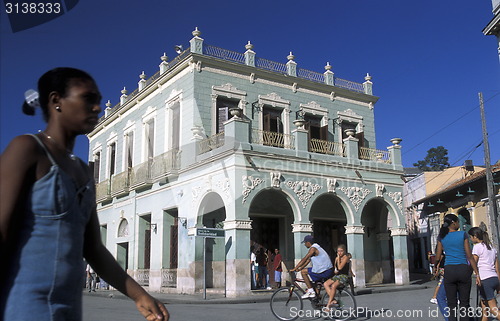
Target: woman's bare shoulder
{"points": [[22, 150]]}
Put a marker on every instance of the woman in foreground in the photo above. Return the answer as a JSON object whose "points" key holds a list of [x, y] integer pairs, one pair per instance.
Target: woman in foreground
{"points": [[48, 218]]}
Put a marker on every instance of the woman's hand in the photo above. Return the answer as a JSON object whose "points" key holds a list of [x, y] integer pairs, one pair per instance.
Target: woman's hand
{"points": [[151, 308]]}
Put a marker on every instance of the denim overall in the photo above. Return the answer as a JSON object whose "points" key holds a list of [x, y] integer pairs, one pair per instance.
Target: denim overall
{"points": [[47, 273]]}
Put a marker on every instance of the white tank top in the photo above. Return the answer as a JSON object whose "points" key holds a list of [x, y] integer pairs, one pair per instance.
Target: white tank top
{"points": [[320, 262]]}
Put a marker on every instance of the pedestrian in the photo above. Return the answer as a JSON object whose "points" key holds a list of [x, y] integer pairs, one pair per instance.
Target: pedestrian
{"points": [[91, 278], [457, 271], [340, 279], [48, 212], [439, 296], [431, 258], [487, 262], [262, 261], [322, 267], [277, 267], [253, 267]]}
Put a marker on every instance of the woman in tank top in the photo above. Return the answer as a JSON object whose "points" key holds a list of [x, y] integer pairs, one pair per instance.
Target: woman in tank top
{"points": [[48, 218], [341, 277]]}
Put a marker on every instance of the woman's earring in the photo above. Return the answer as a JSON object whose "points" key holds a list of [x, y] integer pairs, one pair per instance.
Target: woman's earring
{"points": [[58, 108]]}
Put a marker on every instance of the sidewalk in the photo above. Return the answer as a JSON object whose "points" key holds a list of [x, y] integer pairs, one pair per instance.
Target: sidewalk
{"points": [[417, 281]]}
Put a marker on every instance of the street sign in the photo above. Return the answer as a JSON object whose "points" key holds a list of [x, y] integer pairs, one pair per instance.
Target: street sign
{"points": [[210, 232]]}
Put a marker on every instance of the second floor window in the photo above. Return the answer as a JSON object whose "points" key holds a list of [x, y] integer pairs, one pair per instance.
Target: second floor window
{"points": [[97, 166], [272, 120], [314, 128], [150, 139], [112, 159], [129, 150], [222, 112], [176, 125]]}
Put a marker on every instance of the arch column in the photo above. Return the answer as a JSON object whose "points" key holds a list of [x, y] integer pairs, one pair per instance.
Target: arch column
{"points": [[383, 240], [401, 273], [355, 244], [300, 230], [237, 257]]}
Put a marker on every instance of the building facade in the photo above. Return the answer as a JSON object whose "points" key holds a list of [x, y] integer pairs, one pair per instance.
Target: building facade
{"points": [[493, 27], [266, 151]]}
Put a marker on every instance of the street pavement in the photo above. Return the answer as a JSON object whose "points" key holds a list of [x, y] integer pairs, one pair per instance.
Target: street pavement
{"points": [[387, 302]]}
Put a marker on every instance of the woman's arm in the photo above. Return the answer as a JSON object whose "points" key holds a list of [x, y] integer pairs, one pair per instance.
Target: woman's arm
{"points": [[342, 262], [471, 259], [106, 267]]}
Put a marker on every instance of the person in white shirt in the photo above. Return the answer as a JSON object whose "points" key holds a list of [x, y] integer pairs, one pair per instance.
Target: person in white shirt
{"points": [[91, 278], [489, 272], [322, 267]]}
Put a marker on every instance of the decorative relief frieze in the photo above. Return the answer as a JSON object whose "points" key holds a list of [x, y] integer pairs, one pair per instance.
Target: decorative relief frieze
{"points": [[209, 185], [249, 184], [356, 194], [397, 198], [354, 229], [275, 179], [302, 227], [399, 231], [379, 190], [238, 225], [331, 185], [303, 190]]}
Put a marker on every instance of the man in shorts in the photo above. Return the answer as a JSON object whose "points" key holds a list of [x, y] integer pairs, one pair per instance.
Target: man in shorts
{"points": [[322, 267]]}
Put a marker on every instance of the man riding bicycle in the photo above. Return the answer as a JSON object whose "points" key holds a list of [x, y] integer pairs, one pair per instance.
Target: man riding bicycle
{"points": [[322, 267]]}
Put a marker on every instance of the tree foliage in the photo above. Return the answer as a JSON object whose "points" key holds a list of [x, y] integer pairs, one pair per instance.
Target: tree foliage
{"points": [[436, 160]]}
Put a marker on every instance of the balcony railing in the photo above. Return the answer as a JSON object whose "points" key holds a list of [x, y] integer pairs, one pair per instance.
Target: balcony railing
{"points": [[140, 175], [211, 143], [274, 139], [375, 155], [165, 164], [102, 191], [326, 147], [120, 183], [224, 54]]}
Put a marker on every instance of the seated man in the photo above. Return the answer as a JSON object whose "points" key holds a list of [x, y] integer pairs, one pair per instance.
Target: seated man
{"points": [[322, 267]]}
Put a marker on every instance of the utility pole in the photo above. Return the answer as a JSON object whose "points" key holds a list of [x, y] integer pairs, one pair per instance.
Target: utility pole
{"points": [[492, 205]]}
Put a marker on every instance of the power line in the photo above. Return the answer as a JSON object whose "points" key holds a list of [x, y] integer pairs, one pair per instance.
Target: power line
{"points": [[445, 127]]}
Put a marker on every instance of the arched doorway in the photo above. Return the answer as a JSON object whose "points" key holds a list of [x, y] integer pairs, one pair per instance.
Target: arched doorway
{"points": [[378, 246], [329, 221], [272, 219], [212, 214]]}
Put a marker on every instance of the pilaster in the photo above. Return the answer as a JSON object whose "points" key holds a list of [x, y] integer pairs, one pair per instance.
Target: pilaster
{"points": [[238, 273], [355, 246], [399, 241]]}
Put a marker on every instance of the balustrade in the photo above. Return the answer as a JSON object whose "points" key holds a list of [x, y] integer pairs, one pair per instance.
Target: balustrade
{"points": [[274, 139], [326, 147], [372, 154], [211, 143]]}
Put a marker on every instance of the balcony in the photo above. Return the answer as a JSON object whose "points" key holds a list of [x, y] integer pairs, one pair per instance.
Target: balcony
{"points": [[140, 176], [102, 191], [274, 139], [165, 165], [120, 184], [326, 147], [377, 155], [211, 143]]}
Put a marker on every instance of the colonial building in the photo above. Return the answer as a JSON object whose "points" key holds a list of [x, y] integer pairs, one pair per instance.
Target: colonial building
{"points": [[422, 221], [493, 27], [266, 151], [466, 197]]}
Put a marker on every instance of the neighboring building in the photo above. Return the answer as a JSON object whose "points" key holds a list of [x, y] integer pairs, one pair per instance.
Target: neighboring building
{"points": [[466, 197], [266, 151], [493, 27], [423, 226]]}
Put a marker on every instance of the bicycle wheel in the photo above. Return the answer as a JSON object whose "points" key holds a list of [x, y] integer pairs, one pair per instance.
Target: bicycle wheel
{"points": [[286, 304], [345, 309]]}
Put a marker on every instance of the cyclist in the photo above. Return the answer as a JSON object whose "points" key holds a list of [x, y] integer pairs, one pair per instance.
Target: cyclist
{"points": [[322, 267]]}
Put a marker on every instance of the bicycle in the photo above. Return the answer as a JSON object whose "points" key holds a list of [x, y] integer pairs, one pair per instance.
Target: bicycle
{"points": [[287, 303]]}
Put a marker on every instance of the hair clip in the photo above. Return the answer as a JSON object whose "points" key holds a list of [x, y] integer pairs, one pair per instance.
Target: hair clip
{"points": [[31, 102]]}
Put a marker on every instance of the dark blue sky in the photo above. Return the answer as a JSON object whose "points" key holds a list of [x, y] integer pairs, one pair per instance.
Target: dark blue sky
{"points": [[428, 59]]}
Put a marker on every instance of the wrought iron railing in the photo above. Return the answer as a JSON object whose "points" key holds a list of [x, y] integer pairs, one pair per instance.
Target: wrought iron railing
{"points": [[274, 139], [326, 147], [271, 65], [311, 75], [140, 175], [372, 154], [102, 190], [350, 85], [120, 183], [142, 277], [169, 278], [211, 143], [224, 54], [162, 165]]}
